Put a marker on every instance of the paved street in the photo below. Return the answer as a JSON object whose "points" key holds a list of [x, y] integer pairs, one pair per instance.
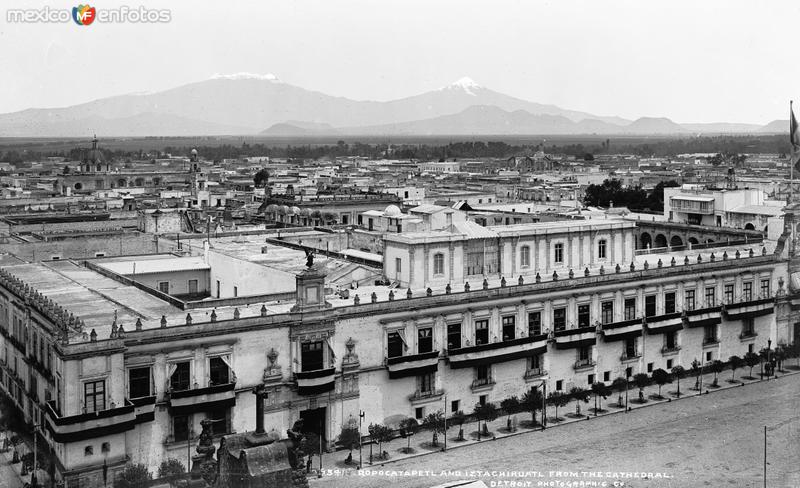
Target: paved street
{"points": [[713, 440]]}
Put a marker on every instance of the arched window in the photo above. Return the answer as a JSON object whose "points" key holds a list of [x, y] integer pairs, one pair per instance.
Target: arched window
{"points": [[88, 451], [438, 263], [601, 249], [525, 256]]}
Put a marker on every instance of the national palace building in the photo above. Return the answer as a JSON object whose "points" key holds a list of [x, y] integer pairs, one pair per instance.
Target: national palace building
{"points": [[118, 360]]}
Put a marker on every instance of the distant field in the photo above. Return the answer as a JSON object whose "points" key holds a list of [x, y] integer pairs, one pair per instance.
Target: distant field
{"points": [[145, 143]]}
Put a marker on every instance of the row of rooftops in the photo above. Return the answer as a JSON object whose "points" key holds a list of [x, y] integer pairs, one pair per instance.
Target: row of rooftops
{"points": [[88, 305]]}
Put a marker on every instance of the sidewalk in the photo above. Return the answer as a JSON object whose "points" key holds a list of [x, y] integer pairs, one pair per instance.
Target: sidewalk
{"points": [[420, 442], [17, 479]]}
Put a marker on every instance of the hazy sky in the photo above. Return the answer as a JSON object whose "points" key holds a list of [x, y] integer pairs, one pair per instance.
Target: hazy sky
{"points": [[692, 61]]}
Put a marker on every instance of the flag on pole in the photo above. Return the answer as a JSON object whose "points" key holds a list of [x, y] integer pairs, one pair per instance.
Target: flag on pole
{"points": [[794, 137]]}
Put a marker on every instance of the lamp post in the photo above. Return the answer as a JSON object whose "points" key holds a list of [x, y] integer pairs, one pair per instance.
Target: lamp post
{"points": [[627, 381], [444, 449], [769, 357], [360, 418]]}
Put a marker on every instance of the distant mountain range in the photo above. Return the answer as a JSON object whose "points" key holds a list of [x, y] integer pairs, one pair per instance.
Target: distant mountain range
{"points": [[246, 104]]}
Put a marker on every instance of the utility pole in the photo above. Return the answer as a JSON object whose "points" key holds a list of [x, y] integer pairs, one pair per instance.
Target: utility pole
{"points": [[544, 404], [445, 424], [765, 456]]}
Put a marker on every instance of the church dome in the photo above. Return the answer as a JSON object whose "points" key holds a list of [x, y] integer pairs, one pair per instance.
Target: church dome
{"points": [[392, 211]]}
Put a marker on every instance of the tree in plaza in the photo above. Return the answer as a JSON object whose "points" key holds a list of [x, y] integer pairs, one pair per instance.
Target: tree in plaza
{"points": [[619, 385], [409, 428], [350, 437], [579, 395], [697, 370], [678, 372], [486, 413], [716, 367], [172, 470], [378, 433], [435, 422], [557, 399], [459, 418], [661, 378], [261, 178], [136, 476], [510, 406], [751, 360], [735, 362], [642, 381], [531, 402], [600, 390]]}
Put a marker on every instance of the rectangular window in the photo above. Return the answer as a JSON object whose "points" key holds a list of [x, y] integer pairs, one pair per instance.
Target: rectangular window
{"points": [[398, 265], [425, 383], [585, 353], [311, 356], [649, 367], [221, 420], [689, 301], [525, 256], [669, 364], [454, 404], [729, 293], [650, 306], [394, 345], [179, 380], [590, 379], [481, 332], [453, 336], [559, 319], [559, 385], [747, 291], [607, 312], [601, 249], [606, 376], [438, 264], [424, 340], [669, 340], [482, 375], [534, 323], [710, 334], [139, 382], [235, 291], [509, 328], [535, 362], [630, 308], [711, 296], [630, 347], [419, 412], [709, 356], [192, 287], [669, 302], [748, 327], [558, 255], [180, 428], [584, 318], [94, 396], [163, 286], [765, 291], [483, 399], [219, 288], [218, 371]]}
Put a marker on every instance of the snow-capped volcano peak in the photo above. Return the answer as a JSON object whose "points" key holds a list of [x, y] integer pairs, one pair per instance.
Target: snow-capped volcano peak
{"points": [[466, 84], [246, 76]]}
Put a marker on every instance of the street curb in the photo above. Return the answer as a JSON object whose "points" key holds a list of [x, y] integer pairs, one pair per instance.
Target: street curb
{"points": [[560, 424]]}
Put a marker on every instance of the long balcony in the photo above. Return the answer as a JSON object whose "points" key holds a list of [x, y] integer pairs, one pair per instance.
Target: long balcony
{"points": [[412, 365], [748, 334], [623, 330], [575, 338], [314, 382], [667, 351], [749, 309], [626, 357], [534, 373], [497, 352], [664, 324], [184, 402], [703, 317], [74, 428]]}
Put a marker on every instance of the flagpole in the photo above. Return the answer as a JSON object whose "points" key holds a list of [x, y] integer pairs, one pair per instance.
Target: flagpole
{"points": [[791, 155]]}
